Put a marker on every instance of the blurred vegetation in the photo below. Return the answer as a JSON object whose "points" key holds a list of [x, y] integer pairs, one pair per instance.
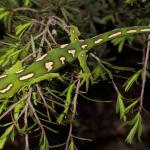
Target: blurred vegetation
{"points": [[33, 27]]}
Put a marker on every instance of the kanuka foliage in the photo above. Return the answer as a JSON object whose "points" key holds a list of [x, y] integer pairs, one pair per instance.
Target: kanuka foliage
{"points": [[33, 50]]}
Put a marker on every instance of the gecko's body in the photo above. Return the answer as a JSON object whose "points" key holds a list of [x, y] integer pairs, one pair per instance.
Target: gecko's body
{"points": [[57, 58]]}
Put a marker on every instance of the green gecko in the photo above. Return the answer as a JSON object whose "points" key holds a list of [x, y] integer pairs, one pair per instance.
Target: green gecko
{"points": [[48, 64]]}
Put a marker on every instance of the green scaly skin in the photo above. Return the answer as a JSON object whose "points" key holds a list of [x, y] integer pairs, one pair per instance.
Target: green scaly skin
{"points": [[57, 58]]}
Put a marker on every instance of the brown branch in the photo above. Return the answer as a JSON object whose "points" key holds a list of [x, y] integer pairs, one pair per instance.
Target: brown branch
{"points": [[61, 23], [42, 97], [27, 142], [32, 54], [74, 103], [51, 36], [144, 74], [25, 9], [98, 60], [44, 34], [22, 112], [26, 125], [34, 112], [12, 107]]}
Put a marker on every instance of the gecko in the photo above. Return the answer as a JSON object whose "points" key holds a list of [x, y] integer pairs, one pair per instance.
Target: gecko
{"points": [[50, 62]]}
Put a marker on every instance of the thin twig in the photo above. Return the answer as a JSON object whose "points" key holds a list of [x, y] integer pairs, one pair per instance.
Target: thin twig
{"points": [[21, 113], [144, 74], [45, 104], [25, 9], [115, 87], [51, 36], [26, 125], [34, 112], [44, 34], [55, 102], [12, 107], [81, 138], [27, 142], [74, 103], [61, 23], [32, 54], [98, 60], [39, 22], [48, 43]]}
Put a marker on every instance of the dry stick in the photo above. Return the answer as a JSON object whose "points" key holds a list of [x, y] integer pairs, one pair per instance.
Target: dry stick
{"points": [[51, 36], [42, 40], [22, 112], [99, 61], [41, 28], [55, 96], [48, 43], [12, 107], [42, 25], [144, 73], [49, 33], [46, 30], [41, 44], [61, 23], [24, 9], [73, 114], [15, 121], [115, 87], [39, 35], [44, 33], [34, 112], [41, 95], [27, 142], [81, 138], [38, 51], [32, 54], [39, 22], [56, 146], [55, 102], [26, 125]]}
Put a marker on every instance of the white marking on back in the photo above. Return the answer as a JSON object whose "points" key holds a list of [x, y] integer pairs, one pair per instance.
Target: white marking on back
{"points": [[81, 40], [131, 31], [62, 59], [3, 76], [6, 89], [63, 46], [114, 34], [72, 52], [145, 30], [20, 71], [28, 76], [49, 66], [84, 46], [42, 57], [98, 41]]}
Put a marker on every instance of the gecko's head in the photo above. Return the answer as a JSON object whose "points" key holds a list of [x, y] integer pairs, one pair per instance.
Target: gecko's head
{"points": [[74, 30]]}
